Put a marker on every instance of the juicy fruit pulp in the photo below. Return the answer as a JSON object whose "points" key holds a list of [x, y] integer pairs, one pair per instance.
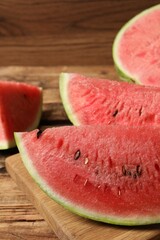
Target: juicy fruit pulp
{"points": [[136, 48], [20, 110], [110, 175], [91, 101]]}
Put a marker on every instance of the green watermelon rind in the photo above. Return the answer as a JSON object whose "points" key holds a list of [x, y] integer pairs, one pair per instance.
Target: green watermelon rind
{"points": [[125, 77], [11, 143], [123, 73], [74, 208], [63, 88]]}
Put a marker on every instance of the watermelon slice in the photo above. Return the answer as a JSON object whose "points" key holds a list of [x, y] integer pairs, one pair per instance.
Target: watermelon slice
{"points": [[91, 101], [136, 48], [20, 110], [107, 173]]}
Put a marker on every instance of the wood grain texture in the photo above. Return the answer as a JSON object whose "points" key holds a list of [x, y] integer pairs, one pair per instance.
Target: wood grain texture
{"points": [[56, 32], [26, 230], [66, 225], [18, 218]]}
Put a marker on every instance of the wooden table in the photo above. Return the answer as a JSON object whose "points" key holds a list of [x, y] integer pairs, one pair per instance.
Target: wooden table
{"points": [[18, 218]]}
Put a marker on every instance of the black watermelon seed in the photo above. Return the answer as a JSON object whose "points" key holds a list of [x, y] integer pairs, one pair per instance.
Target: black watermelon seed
{"points": [[77, 154], [115, 113], [140, 111], [39, 133]]}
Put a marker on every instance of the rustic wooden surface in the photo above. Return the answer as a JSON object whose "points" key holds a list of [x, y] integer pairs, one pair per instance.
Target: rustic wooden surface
{"points": [[18, 218], [66, 225], [56, 32]]}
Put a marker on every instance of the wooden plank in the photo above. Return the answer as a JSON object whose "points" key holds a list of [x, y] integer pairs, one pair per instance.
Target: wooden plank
{"points": [[66, 225], [13, 204], [26, 230], [18, 218], [52, 32]]}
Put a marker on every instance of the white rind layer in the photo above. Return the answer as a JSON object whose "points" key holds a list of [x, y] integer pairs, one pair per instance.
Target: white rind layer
{"points": [[63, 87]]}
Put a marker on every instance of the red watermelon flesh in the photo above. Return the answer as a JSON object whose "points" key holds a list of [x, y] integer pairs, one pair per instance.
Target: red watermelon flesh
{"points": [[107, 173], [136, 48], [20, 110], [91, 100]]}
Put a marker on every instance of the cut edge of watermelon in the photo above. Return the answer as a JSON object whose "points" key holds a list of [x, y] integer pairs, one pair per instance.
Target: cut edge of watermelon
{"points": [[125, 221], [38, 117], [63, 87], [122, 72], [4, 145]]}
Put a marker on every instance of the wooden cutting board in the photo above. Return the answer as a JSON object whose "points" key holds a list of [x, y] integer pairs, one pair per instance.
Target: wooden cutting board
{"points": [[66, 225]]}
